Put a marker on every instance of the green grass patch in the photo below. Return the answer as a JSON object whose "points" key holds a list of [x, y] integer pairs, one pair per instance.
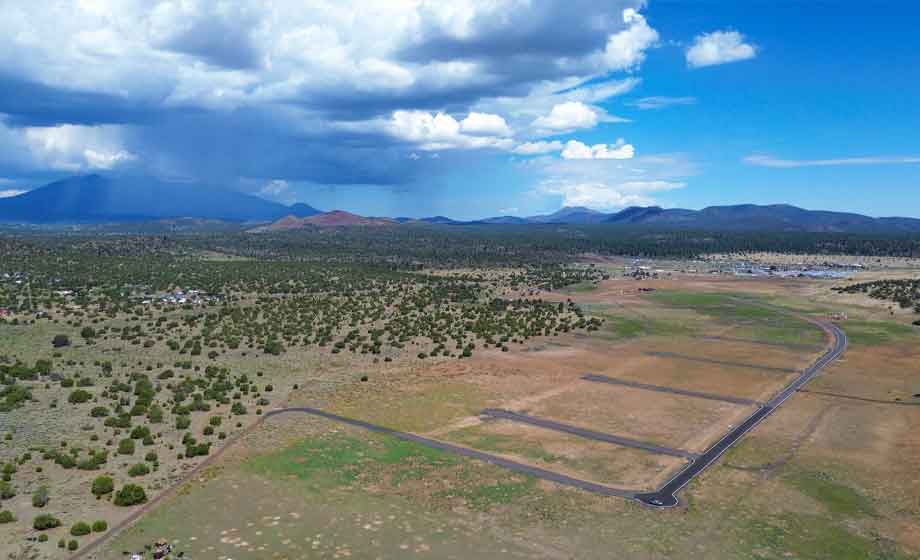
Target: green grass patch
{"points": [[809, 537], [487, 496], [619, 325], [874, 333], [339, 460], [725, 307], [837, 498], [580, 288], [624, 327], [751, 318]]}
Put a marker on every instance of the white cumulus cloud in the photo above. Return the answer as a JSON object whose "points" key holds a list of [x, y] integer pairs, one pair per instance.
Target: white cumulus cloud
{"points": [[484, 124], [626, 49], [604, 196], [719, 47], [577, 150], [440, 131], [571, 115], [606, 184]]}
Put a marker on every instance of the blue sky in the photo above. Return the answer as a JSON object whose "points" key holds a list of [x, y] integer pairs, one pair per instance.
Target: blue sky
{"points": [[472, 108]]}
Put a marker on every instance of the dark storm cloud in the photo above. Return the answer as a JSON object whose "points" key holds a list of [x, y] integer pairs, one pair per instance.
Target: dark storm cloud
{"points": [[217, 39], [549, 28], [260, 143], [220, 91], [29, 103]]}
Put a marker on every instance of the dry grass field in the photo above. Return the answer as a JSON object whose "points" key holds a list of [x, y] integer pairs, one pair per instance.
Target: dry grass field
{"points": [[828, 476]]}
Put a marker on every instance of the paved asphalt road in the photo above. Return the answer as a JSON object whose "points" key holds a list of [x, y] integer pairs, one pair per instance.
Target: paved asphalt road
{"points": [[666, 496], [673, 391], [587, 434]]}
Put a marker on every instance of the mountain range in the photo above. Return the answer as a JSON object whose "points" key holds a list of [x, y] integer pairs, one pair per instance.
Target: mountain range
{"points": [[98, 199], [739, 217]]}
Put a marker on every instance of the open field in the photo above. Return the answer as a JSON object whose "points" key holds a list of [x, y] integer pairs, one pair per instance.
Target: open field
{"points": [[827, 476], [791, 492]]}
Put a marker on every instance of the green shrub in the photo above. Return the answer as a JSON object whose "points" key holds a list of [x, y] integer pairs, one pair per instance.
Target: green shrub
{"points": [[140, 432], [140, 469], [129, 495], [80, 528], [274, 347], [6, 516], [43, 537], [196, 450], [122, 421], [65, 461], [151, 457], [126, 447], [99, 412], [45, 521], [79, 396], [100, 526], [103, 485], [72, 545], [183, 422], [6, 490], [95, 460], [40, 497], [155, 414]]}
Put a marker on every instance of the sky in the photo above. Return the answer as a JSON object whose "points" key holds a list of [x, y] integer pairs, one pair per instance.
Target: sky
{"points": [[471, 108]]}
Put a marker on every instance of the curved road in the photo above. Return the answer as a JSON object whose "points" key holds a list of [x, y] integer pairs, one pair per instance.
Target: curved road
{"points": [[666, 496]]}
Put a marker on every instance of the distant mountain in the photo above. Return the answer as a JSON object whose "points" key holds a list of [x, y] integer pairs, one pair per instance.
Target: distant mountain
{"points": [[503, 220], [302, 210], [336, 218], [440, 220], [776, 217], [742, 217], [99, 199], [635, 215], [342, 218], [570, 215]]}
